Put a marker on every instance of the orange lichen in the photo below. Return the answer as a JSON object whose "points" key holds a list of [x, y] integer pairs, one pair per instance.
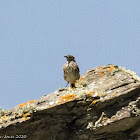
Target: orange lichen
{"points": [[114, 94], [91, 93], [101, 73], [21, 105], [95, 101], [66, 98], [5, 117], [50, 106], [81, 78], [31, 101], [25, 115], [111, 68]]}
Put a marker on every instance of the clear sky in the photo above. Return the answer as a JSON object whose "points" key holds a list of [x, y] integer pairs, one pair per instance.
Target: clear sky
{"points": [[36, 34]]}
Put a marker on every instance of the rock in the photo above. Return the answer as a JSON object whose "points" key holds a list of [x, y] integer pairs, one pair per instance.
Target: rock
{"points": [[105, 105]]}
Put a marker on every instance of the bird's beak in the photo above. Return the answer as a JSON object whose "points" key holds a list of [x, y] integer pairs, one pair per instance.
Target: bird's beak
{"points": [[65, 56]]}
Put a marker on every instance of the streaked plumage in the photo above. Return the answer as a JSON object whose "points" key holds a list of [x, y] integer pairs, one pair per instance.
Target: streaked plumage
{"points": [[71, 70]]}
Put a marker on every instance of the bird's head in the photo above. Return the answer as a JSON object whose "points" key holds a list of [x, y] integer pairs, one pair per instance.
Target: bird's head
{"points": [[70, 58]]}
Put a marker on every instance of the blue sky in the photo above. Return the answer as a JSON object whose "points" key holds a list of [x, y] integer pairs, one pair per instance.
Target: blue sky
{"points": [[35, 36]]}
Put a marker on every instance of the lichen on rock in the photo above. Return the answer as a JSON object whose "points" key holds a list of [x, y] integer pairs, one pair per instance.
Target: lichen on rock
{"points": [[105, 104]]}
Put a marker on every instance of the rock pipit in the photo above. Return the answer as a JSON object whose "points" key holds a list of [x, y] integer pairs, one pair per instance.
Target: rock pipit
{"points": [[71, 70]]}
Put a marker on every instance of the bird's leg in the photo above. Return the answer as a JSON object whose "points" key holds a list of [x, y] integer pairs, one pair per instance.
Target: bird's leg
{"points": [[67, 84], [72, 85]]}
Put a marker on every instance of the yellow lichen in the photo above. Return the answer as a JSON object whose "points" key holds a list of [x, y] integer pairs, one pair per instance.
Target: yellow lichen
{"points": [[66, 98], [95, 101], [25, 115]]}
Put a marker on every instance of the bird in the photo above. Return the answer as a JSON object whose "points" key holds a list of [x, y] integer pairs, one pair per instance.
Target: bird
{"points": [[71, 71]]}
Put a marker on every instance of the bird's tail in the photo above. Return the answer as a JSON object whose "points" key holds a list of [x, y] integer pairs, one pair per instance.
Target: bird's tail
{"points": [[72, 85]]}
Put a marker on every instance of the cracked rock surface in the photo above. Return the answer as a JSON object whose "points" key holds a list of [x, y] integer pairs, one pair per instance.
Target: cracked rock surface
{"points": [[105, 105]]}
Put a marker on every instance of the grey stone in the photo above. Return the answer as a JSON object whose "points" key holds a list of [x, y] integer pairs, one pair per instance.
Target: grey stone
{"points": [[105, 105]]}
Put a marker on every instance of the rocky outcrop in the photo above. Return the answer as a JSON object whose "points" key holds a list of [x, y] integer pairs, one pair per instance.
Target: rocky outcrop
{"points": [[105, 105]]}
